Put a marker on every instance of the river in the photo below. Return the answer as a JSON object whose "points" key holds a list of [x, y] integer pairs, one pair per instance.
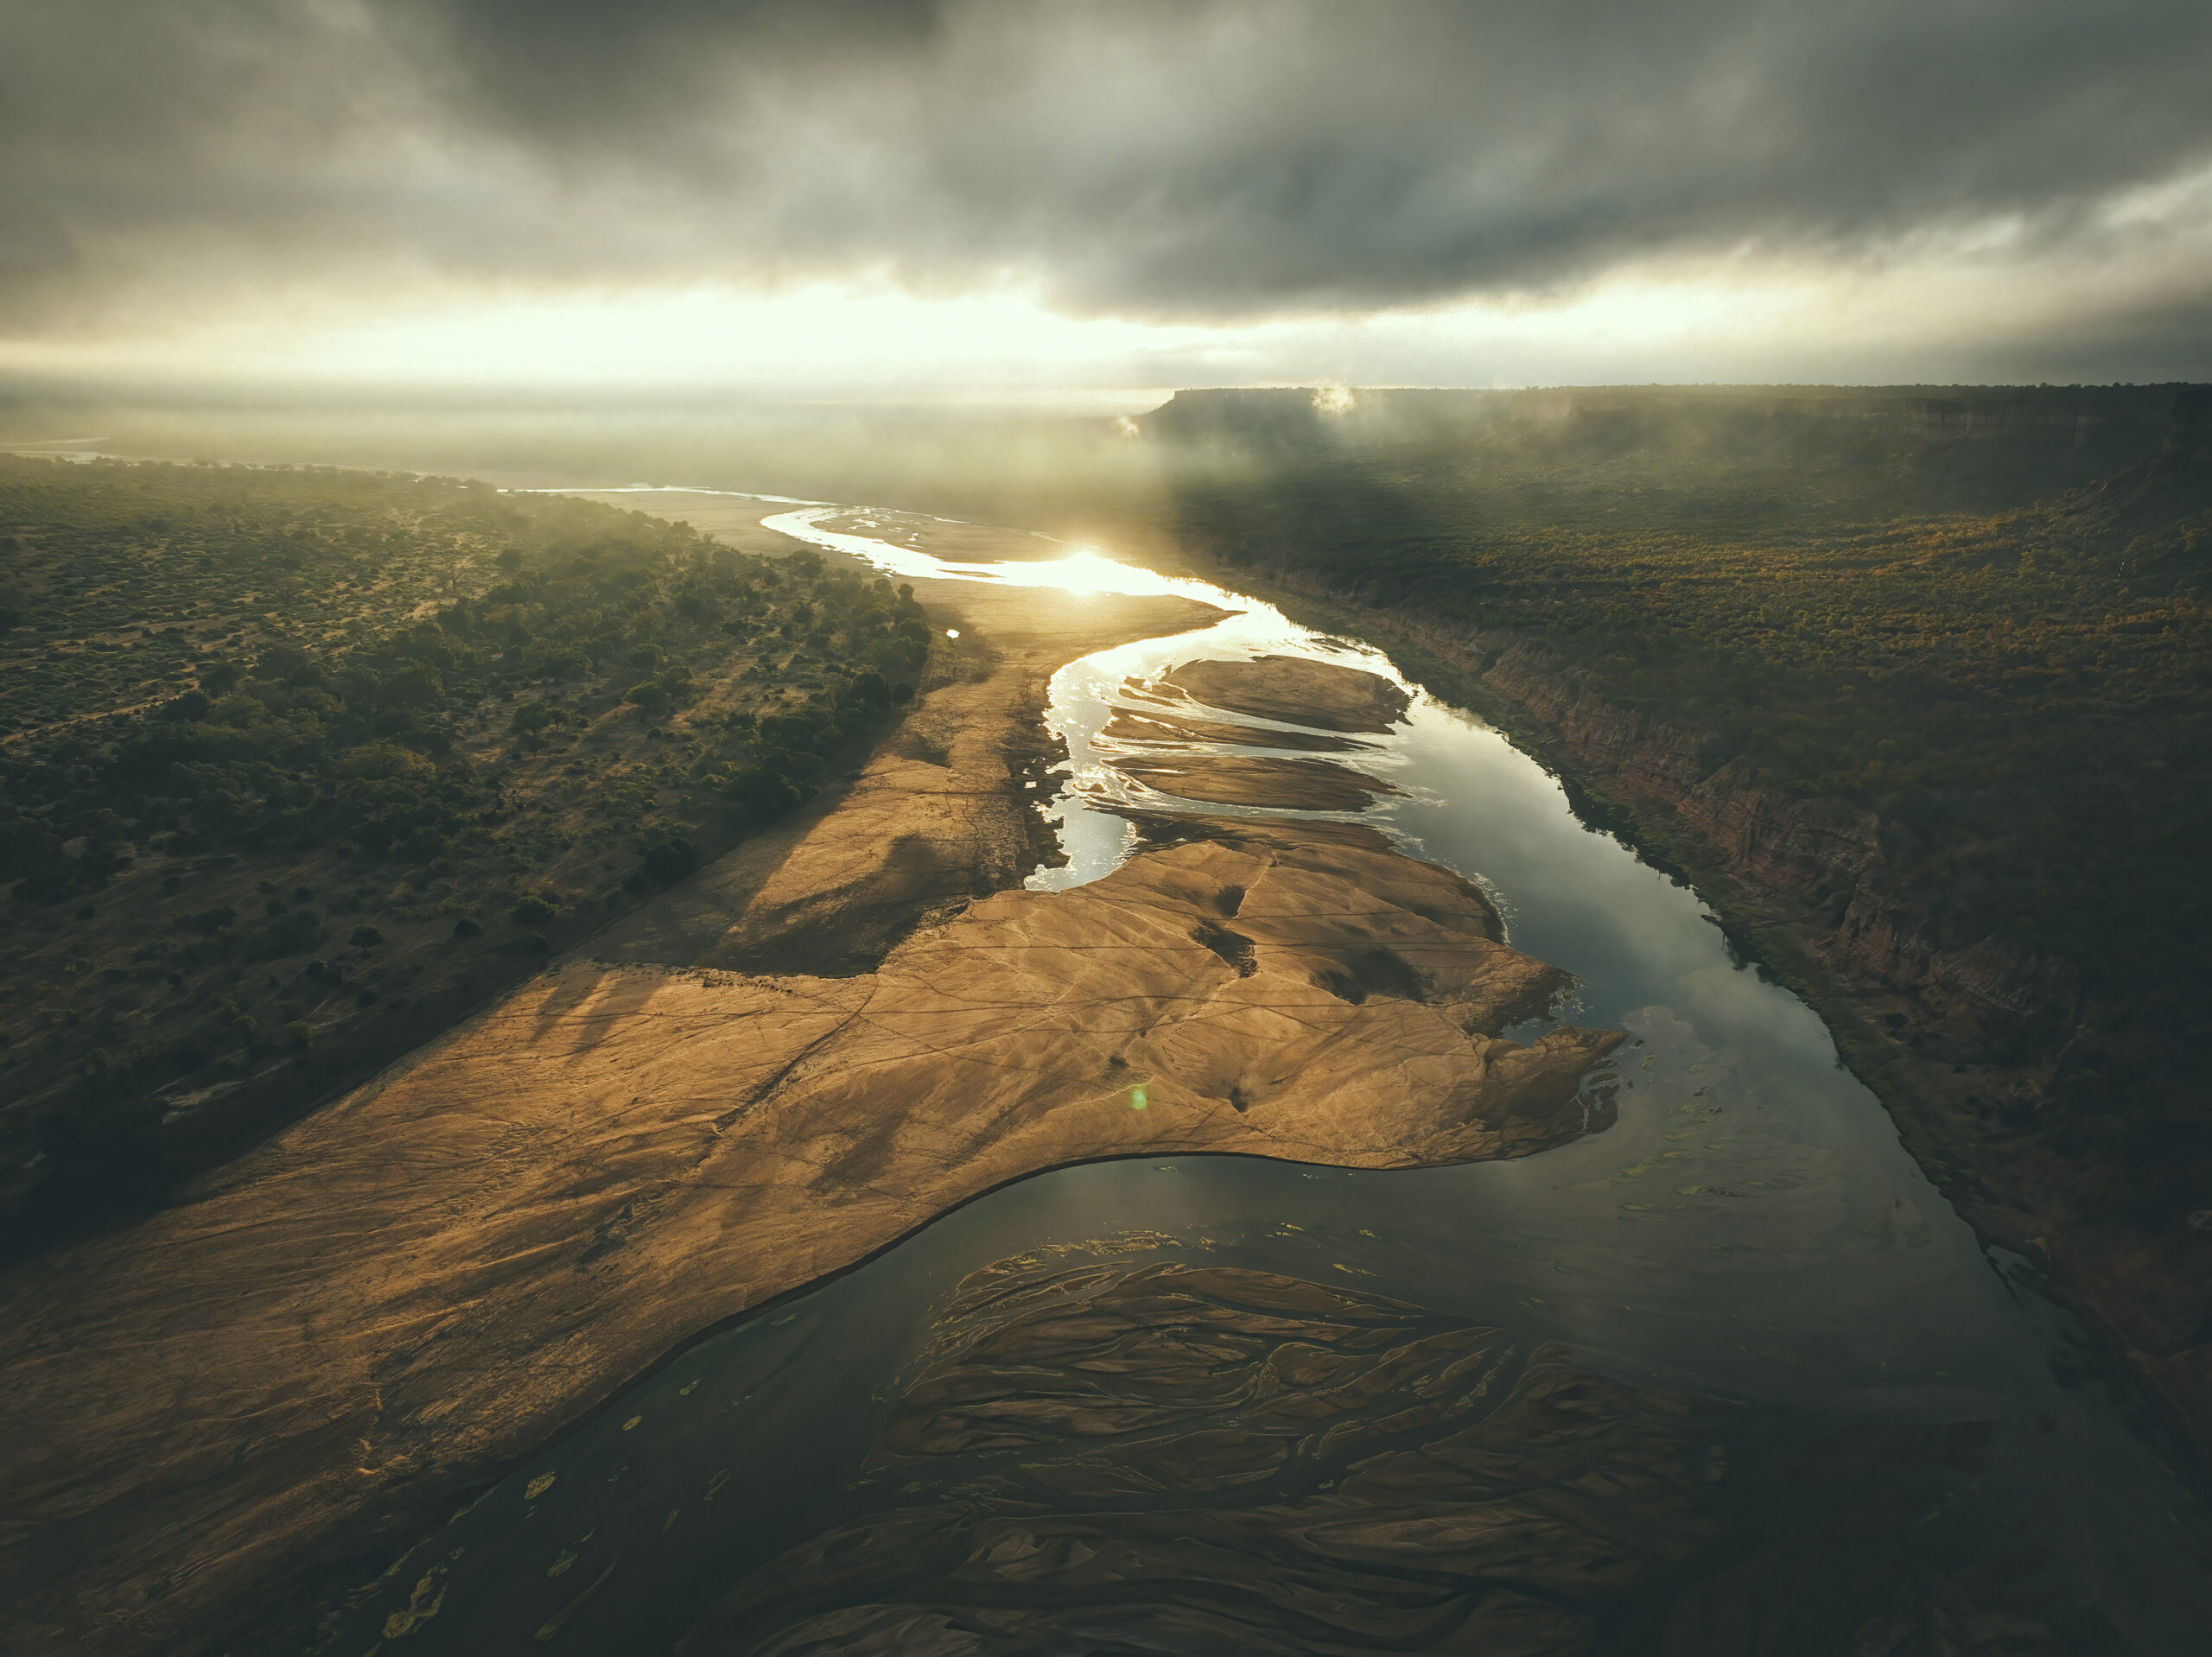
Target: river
{"points": [[1748, 1228]]}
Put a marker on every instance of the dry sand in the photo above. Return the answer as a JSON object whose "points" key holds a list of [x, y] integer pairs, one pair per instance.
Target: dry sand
{"points": [[330, 1342], [1296, 690]]}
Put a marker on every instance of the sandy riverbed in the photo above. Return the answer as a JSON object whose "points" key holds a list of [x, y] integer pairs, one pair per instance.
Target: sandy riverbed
{"points": [[842, 1030]]}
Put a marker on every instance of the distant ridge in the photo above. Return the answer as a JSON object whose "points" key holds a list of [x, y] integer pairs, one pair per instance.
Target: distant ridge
{"points": [[2128, 418], [2171, 484]]}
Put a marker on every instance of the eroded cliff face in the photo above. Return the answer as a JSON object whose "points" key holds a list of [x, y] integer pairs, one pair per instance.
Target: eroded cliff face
{"points": [[1833, 854]]}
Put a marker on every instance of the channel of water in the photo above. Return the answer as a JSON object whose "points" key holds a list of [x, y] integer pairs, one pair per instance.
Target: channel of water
{"points": [[1750, 1228]]}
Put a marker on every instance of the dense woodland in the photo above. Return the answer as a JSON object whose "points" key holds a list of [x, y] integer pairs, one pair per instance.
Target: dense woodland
{"points": [[2011, 663], [300, 764]]}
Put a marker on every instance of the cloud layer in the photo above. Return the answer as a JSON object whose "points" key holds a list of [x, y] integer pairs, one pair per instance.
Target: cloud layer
{"points": [[1209, 163]]}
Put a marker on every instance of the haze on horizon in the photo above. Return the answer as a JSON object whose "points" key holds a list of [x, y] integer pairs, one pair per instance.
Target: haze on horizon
{"points": [[1087, 204]]}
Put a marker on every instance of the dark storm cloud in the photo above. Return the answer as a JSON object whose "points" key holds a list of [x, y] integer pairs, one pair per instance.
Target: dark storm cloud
{"points": [[1193, 161]]}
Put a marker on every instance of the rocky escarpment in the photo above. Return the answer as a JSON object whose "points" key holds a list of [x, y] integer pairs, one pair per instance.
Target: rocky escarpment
{"points": [[1835, 854]]}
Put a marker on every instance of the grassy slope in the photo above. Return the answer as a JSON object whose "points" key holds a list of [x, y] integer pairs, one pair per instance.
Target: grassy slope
{"points": [[303, 764]]}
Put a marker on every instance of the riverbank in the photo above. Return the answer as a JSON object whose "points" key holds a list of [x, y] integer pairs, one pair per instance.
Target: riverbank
{"points": [[844, 1030], [1963, 1045]]}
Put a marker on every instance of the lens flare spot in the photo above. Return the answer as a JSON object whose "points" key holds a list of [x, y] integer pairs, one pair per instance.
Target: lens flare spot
{"points": [[1138, 1100]]}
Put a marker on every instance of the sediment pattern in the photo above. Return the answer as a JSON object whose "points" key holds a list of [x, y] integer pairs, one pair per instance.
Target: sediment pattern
{"points": [[1200, 1458]]}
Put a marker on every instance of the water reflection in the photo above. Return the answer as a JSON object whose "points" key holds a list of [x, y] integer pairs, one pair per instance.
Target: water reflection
{"points": [[1751, 1179], [1748, 1228]]}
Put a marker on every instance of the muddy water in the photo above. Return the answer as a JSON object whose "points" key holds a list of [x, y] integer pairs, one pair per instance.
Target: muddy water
{"points": [[1748, 1228]]}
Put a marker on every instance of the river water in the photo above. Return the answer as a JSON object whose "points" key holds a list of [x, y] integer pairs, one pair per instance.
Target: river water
{"points": [[1749, 1228]]}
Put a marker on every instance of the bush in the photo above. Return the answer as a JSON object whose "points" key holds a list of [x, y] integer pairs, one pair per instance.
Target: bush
{"points": [[422, 846], [366, 937], [385, 762], [763, 794], [294, 934], [872, 694], [531, 908], [467, 927], [671, 858]]}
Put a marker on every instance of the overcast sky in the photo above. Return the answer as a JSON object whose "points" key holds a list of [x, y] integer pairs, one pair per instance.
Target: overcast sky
{"points": [[857, 197]]}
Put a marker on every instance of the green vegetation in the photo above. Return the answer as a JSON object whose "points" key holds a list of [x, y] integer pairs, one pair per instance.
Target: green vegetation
{"points": [[1860, 608], [301, 764]]}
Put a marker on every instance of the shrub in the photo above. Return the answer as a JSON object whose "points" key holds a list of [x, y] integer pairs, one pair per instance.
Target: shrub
{"points": [[366, 937], [671, 858], [872, 694], [292, 934], [763, 794], [385, 762]]}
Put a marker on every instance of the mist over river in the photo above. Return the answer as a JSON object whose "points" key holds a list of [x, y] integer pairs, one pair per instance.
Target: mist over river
{"points": [[1742, 1223]]}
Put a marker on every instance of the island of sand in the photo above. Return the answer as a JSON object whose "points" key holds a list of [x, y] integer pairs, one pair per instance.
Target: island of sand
{"points": [[1295, 690], [845, 1029], [1278, 688]]}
